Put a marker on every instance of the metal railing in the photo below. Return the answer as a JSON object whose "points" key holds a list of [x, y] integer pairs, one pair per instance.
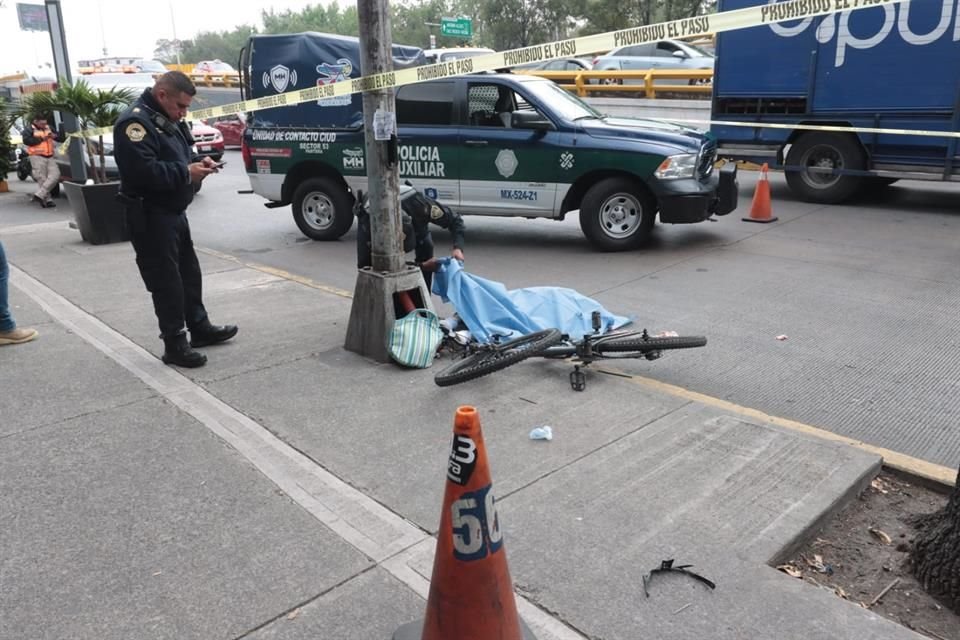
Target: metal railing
{"points": [[699, 81], [216, 79]]}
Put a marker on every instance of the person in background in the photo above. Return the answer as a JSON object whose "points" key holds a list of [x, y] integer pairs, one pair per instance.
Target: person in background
{"points": [[40, 141], [9, 332]]}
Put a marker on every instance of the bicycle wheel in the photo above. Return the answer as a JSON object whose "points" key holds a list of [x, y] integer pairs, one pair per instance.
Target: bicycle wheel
{"points": [[638, 344], [497, 357]]}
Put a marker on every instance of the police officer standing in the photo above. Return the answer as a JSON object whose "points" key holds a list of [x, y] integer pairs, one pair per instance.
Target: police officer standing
{"points": [[40, 140], [158, 174]]}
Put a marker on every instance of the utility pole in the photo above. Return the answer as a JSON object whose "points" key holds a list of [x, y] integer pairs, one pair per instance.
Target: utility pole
{"points": [[375, 302], [61, 65]]}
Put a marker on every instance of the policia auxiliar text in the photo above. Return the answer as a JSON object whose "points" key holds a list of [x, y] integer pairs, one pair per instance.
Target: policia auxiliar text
{"points": [[158, 176]]}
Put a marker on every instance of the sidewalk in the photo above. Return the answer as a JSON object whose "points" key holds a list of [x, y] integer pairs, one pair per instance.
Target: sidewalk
{"points": [[289, 489]]}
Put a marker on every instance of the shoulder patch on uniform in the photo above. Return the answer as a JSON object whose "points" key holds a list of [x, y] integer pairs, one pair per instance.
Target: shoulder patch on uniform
{"points": [[435, 212], [136, 109], [135, 132]]}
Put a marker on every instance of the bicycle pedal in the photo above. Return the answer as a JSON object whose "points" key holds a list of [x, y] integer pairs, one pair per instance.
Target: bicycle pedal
{"points": [[578, 380]]}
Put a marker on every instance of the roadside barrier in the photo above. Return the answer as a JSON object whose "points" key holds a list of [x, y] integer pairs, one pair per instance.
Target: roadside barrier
{"points": [[699, 81]]}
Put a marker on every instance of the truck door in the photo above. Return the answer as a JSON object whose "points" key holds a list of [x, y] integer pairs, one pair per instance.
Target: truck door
{"points": [[505, 171], [429, 151]]}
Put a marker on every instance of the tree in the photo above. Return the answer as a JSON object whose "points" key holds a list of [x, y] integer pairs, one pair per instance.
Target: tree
{"points": [[936, 553], [166, 51], [328, 19]]}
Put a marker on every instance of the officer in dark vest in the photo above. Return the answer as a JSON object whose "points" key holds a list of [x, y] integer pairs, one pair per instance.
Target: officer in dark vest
{"points": [[158, 173], [417, 213]]}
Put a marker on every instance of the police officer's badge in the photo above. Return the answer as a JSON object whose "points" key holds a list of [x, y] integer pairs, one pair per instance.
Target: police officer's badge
{"points": [[135, 132], [435, 212]]}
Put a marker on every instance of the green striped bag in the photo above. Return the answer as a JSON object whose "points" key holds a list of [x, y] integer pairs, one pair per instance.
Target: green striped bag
{"points": [[414, 339]]}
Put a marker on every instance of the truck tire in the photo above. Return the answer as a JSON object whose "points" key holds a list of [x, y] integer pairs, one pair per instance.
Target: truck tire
{"points": [[322, 209], [617, 214], [828, 151]]}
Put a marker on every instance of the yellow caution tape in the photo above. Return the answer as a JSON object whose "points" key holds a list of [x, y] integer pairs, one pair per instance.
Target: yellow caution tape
{"points": [[698, 26], [687, 27]]}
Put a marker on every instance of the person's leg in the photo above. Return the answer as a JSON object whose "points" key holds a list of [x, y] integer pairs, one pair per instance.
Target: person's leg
{"points": [[194, 312], [9, 332], [6, 320], [51, 177], [157, 249], [39, 172], [202, 332]]}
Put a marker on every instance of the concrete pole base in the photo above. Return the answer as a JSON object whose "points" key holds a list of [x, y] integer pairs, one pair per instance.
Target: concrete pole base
{"points": [[375, 309], [414, 631]]}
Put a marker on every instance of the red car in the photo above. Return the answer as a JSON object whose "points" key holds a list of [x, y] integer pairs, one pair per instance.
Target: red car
{"points": [[231, 127], [209, 141]]}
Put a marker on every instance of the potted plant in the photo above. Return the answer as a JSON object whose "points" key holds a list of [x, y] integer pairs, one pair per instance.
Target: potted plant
{"points": [[99, 216], [7, 157]]}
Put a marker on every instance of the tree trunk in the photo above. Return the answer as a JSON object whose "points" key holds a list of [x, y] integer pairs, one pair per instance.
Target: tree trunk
{"points": [[936, 553]]}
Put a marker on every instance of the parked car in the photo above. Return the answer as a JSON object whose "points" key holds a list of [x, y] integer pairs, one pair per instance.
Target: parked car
{"points": [[434, 56], [135, 81], [153, 67], [208, 139], [231, 127], [664, 54], [564, 64], [215, 68]]}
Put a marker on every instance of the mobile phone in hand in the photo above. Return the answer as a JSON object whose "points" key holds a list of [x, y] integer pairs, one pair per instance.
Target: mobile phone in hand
{"points": [[219, 165]]}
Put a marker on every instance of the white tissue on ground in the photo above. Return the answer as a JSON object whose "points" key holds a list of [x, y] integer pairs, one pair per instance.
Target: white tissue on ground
{"points": [[542, 433]]}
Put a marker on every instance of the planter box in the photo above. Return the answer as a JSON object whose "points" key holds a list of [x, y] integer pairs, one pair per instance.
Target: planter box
{"points": [[100, 217]]}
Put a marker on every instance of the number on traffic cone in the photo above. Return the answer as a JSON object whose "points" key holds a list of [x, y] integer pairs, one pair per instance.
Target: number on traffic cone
{"points": [[762, 210], [471, 594]]}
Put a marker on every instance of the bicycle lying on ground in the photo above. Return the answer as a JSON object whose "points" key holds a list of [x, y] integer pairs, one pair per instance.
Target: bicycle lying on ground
{"points": [[481, 359]]}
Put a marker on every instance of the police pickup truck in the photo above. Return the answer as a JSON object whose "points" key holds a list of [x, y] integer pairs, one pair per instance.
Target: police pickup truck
{"points": [[493, 144]]}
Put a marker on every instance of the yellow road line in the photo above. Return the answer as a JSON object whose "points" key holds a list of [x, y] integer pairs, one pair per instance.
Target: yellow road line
{"points": [[892, 459], [280, 273]]}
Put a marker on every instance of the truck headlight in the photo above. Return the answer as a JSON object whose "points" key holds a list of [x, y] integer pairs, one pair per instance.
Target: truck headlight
{"points": [[679, 166]]}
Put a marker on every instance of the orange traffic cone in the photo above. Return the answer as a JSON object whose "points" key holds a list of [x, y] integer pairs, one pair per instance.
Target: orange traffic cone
{"points": [[762, 211], [471, 594]]}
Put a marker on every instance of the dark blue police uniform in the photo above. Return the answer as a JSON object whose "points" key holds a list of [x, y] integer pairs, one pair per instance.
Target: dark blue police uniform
{"points": [[153, 155], [418, 212]]}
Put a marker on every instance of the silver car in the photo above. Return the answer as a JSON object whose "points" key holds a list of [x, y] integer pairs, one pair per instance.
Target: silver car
{"points": [[665, 54]]}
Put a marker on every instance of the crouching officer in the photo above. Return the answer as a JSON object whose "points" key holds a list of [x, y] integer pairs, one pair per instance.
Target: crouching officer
{"points": [[418, 212], [158, 171]]}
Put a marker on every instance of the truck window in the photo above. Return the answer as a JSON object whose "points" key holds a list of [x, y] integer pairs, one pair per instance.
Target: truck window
{"points": [[426, 103], [490, 105]]}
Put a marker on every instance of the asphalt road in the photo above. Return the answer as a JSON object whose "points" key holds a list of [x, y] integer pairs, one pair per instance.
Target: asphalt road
{"points": [[865, 295]]}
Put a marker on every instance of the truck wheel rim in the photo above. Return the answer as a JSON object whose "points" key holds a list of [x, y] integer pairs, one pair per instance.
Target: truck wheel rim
{"points": [[317, 211], [620, 215], [822, 157]]}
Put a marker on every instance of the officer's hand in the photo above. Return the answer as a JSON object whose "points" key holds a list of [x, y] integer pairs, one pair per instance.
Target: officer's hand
{"points": [[457, 253], [209, 163], [198, 172], [430, 265]]}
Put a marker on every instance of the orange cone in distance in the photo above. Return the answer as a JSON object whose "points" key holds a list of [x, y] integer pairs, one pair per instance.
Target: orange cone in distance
{"points": [[471, 593], [762, 210]]}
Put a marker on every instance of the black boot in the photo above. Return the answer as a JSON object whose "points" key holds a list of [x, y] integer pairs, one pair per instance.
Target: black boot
{"points": [[177, 351], [208, 334]]}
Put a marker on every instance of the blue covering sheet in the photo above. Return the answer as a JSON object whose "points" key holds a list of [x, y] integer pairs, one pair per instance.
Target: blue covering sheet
{"points": [[489, 309]]}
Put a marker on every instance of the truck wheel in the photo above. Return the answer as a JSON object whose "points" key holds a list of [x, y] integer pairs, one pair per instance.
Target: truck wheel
{"points": [[322, 209], [825, 151], [617, 214]]}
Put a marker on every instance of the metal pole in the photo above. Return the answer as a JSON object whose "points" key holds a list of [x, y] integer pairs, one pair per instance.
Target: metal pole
{"points": [[173, 23], [61, 65], [383, 177]]}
